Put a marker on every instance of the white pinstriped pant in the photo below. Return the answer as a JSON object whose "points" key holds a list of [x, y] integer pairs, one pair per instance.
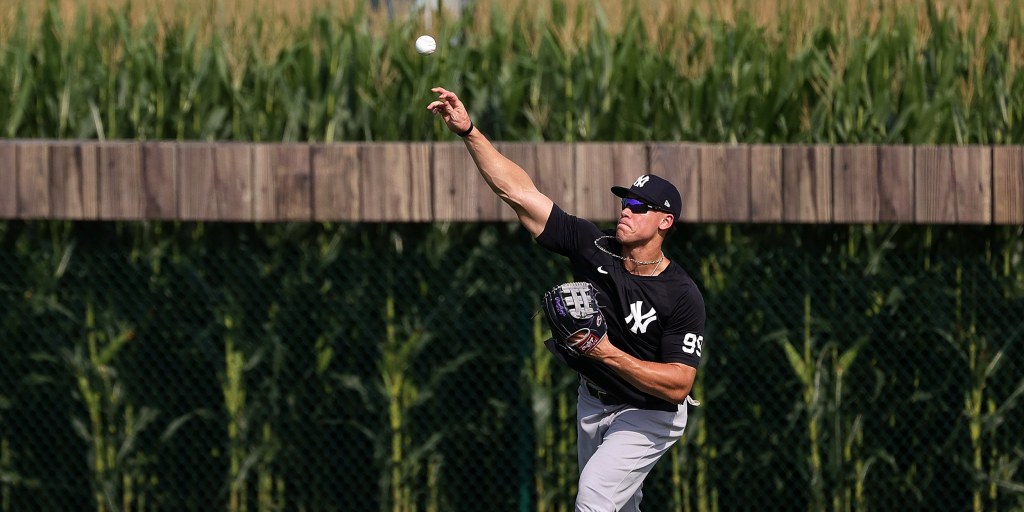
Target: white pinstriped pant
{"points": [[618, 445]]}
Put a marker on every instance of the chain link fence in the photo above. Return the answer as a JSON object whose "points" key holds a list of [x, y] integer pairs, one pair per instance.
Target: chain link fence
{"points": [[374, 367]]}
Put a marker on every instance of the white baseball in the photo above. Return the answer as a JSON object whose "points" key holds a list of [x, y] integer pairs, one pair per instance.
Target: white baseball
{"points": [[425, 45]]}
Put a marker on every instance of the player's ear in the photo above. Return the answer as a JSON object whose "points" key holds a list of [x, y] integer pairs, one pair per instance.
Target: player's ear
{"points": [[667, 221]]}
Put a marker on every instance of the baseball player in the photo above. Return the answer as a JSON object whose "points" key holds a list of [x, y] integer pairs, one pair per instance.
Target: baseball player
{"points": [[635, 380]]}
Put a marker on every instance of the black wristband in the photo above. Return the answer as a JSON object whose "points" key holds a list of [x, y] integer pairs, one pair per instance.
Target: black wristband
{"points": [[468, 130]]}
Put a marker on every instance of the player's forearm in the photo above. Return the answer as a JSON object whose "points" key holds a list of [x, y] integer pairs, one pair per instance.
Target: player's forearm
{"points": [[507, 179], [670, 382]]}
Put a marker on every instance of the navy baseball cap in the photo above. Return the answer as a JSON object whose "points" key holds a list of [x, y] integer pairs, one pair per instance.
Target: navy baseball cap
{"points": [[654, 190]]}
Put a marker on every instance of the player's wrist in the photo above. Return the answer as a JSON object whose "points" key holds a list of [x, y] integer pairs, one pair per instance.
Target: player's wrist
{"points": [[465, 133], [599, 350]]}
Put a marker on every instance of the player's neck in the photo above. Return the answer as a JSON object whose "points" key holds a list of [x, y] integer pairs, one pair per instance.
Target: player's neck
{"points": [[643, 260]]}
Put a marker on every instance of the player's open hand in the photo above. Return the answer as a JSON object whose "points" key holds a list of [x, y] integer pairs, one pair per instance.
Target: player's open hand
{"points": [[451, 110]]}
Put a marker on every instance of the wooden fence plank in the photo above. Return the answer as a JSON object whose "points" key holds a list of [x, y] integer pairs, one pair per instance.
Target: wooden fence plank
{"points": [[595, 176], [873, 184], [120, 184], [459, 192], [336, 182], [1008, 184], [159, 181], [215, 181], [953, 184], [680, 164], [765, 183], [599, 167], [33, 180], [282, 183], [395, 182], [895, 176], [725, 183], [556, 177], [855, 183], [74, 180], [8, 180], [807, 183]]}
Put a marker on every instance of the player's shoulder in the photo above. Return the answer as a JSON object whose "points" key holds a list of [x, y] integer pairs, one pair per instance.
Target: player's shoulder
{"points": [[685, 289]]}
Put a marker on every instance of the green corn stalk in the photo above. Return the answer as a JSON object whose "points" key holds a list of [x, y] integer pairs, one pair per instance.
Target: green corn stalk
{"points": [[539, 382], [984, 414], [549, 393], [234, 391], [402, 395], [6, 474], [690, 466], [841, 464], [707, 496], [270, 487], [567, 462], [113, 424]]}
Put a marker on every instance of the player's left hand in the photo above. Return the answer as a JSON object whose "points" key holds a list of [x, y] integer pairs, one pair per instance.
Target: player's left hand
{"points": [[574, 315]]}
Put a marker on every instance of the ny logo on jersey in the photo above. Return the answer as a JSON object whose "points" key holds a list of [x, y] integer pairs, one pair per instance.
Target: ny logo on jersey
{"points": [[640, 319]]}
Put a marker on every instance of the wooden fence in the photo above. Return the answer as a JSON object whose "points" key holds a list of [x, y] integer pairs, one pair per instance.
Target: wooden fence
{"points": [[427, 182]]}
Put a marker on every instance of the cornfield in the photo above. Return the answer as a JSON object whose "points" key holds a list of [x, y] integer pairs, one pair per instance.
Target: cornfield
{"points": [[779, 71], [399, 367]]}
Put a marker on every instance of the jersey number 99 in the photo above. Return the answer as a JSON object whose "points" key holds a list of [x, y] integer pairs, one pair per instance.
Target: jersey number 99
{"points": [[692, 343]]}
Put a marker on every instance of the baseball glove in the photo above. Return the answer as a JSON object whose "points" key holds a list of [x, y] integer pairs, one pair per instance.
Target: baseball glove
{"points": [[571, 308]]}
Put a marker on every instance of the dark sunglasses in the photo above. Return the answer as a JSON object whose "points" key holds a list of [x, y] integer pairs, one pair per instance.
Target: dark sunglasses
{"points": [[638, 206]]}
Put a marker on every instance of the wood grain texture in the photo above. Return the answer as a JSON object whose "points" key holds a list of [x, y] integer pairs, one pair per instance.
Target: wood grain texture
{"points": [[33, 180], [953, 184], [336, 182], [556, 176], [679, 163], [599, 167], [120, 184], [766, 203], [895, 175], [1008, 184], [74, 180], [460, 193], [8, 179], [215, 181], [396, 182], [159, 180], [855, 184], [725, 183], [807, 183], [282, 182]]}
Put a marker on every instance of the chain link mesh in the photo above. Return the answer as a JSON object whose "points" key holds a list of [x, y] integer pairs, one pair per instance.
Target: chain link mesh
{"points": [[400, 367]]}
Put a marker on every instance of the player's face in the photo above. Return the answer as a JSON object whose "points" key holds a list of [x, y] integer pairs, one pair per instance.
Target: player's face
{"points": [[639, 222]]}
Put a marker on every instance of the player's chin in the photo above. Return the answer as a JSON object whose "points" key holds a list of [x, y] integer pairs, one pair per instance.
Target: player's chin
{"points": [[623, 233]]}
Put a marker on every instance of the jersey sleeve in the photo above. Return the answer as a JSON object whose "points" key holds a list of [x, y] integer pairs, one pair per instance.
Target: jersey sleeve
{"points": [[566, 234], [683, 340]]}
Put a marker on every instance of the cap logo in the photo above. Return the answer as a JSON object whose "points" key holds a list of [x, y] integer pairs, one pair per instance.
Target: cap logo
{"points": [[668, 204], [641, 181]]}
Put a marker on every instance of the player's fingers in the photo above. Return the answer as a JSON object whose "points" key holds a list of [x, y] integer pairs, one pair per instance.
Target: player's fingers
{"points": [[445, 95]]}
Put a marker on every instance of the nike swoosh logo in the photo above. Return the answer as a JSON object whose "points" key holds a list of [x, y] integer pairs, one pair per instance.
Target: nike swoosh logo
{"points": [[602, 270]]}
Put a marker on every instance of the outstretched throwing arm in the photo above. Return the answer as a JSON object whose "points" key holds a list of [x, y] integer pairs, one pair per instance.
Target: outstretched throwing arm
{"points": [[507, 179]]}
